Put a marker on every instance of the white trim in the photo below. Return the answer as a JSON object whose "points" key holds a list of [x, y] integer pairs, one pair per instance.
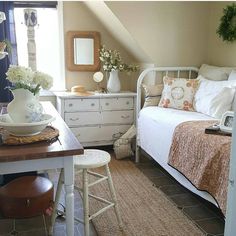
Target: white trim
{"points": [[230, 226], [52, 92], [61, 44], [46, 93]]}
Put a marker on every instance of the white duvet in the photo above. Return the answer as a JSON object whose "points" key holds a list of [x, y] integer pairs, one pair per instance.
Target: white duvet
{"points": [[156, 126]]}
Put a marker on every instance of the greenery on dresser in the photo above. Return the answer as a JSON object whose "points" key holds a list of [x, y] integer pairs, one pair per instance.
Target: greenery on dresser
{"points": [[111, 60], [227, 27]]}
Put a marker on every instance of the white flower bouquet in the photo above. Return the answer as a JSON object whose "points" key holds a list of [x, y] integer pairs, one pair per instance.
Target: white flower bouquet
{"points": [[111, 60], [23, 77]]}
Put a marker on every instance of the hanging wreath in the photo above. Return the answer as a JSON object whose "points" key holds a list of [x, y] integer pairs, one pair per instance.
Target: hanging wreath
{"points": [[227, 27]]}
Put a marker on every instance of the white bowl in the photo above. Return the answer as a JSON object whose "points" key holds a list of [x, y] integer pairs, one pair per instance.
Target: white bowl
{"points": [[24, 129]]}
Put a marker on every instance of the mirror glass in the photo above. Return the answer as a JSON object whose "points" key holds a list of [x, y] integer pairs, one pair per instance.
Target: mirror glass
{"points": [[83, 50]]}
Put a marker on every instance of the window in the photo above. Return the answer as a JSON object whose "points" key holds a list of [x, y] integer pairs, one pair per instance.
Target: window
{"points": [[48, 40]]}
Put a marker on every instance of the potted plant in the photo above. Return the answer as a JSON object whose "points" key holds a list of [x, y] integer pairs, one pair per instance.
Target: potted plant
{"points": [[112, 63], [25, 107]]}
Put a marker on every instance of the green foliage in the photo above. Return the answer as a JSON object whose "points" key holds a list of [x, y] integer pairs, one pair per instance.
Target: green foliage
{"points": [[227, 27], [34, 90], [111, 60]]}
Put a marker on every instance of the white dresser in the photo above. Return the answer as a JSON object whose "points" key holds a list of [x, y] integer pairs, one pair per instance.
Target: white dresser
{"points": [[98, 119]]}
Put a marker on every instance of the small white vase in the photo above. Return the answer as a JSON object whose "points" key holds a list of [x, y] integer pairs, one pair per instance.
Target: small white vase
{"points": [[25, 107], [113, 84]]}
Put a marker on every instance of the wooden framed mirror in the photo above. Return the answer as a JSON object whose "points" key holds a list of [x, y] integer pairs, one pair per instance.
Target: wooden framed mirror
{"points": [[83, 50]]}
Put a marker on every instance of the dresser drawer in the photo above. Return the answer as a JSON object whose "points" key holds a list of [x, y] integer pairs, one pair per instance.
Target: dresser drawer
{"points": [[83, 118], [81, 104], [99, 133], [108, 104], [118, 117]]}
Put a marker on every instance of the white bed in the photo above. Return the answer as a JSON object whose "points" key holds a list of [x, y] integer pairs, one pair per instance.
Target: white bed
{"points": [[156, 125]]}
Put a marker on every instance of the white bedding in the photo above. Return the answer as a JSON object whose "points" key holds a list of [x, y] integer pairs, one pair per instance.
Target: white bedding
{"points": [[156, 126]]}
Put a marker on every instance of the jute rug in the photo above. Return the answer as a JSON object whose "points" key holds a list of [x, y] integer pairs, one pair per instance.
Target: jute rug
{"points": [[145, 210]]}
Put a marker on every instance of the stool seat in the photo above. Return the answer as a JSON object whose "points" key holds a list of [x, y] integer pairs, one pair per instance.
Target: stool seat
{"points": [[92, 158]]}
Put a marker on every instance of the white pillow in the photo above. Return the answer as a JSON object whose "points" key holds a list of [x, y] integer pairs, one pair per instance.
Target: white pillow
{"points": [[215, 72], [232, 75], [213, 98]]}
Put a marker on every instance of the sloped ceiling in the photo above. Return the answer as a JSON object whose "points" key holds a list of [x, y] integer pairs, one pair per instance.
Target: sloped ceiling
{"points": [[162, 33], [117, 29]]}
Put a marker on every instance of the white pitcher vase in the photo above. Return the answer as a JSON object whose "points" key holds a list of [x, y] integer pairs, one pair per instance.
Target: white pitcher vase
{"points": [[25, 107], [113, 84]]}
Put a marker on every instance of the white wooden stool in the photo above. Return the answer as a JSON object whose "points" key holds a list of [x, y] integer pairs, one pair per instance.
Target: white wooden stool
{"points": [[92, 158]]}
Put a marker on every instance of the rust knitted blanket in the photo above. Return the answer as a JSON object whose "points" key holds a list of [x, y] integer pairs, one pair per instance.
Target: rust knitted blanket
{"points": [[202, 158]]}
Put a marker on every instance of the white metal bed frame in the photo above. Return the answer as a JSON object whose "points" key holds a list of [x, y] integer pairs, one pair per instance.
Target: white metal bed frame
{"points": [[230, 226], [164, 70]]}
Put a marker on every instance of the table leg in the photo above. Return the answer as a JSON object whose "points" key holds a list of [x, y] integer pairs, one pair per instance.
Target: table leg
{"points": [[57, 198], [85, 202], [69, 194]]}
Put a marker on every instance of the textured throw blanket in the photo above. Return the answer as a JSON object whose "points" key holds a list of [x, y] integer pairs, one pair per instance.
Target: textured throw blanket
{"points": [[202, 158]]}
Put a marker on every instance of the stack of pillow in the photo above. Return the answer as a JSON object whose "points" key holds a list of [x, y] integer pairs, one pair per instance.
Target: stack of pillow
{"points": [[212, 93]]}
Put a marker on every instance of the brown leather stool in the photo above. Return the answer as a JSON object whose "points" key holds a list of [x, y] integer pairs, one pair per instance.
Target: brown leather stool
{"points": [[26, 196]]}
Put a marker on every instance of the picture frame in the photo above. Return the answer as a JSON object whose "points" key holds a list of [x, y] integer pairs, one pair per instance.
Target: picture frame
{"points": [[226, 122]]}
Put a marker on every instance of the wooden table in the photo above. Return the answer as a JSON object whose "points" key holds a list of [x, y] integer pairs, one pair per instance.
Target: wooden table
{"points": [[44, 156]]}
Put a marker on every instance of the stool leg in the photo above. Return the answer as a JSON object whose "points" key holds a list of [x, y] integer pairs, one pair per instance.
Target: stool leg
{"points": [[85, 202], [57, 198], [113, 195]]}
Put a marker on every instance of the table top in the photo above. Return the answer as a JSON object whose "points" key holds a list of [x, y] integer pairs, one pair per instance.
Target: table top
{"points": [[66, 145]]}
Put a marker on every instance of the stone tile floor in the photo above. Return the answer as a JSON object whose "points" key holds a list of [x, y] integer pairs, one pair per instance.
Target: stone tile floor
{"points": [[206, 216]]}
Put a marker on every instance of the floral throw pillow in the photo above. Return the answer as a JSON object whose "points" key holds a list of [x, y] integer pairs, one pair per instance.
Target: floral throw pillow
{"points": [[178, 93]]}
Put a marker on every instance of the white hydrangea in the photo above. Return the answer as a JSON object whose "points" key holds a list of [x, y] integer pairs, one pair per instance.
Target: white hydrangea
{"points": [[43, 80], [20, 74], [23, 77]]}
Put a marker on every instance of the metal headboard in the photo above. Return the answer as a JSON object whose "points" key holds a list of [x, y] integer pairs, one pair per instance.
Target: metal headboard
{"points": [[165, 71]]}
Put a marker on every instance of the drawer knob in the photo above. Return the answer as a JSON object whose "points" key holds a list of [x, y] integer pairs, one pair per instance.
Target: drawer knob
{"points": [[27, 203], [74, 119], [92, 104], [125, 117], [127, 103], [70, 105], [107, 103]]}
